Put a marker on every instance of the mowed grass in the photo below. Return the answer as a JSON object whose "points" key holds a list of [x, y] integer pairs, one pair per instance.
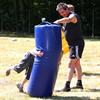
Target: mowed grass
{"points": [[12, 49]]}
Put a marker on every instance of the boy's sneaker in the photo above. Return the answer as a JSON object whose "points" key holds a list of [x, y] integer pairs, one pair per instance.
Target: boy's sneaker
{"points": [[8, 72], [20, 87], [79, 84], [67, 87]]}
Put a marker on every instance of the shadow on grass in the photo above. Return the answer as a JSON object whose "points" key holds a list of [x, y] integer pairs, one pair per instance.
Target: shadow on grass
{"points": [[66, 98], [69, 98], [91, 74], [94, 90]]}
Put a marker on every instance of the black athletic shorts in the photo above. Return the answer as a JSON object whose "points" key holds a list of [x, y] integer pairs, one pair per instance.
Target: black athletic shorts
{"points": [[76, 51]]}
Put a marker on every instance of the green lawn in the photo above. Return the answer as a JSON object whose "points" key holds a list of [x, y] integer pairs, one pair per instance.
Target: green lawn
{"points": [[12, 50]]}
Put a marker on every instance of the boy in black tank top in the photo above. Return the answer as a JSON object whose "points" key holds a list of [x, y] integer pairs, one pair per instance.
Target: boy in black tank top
{"points": [[75, 41]]}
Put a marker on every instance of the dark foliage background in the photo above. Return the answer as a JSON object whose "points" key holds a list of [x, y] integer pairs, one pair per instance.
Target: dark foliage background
{"points": [[20, 16]]}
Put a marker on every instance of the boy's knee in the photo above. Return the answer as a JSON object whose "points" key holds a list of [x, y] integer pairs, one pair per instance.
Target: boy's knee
{"points": [[72, 62]]}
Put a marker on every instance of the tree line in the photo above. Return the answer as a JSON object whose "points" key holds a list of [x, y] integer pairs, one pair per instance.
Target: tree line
{"points": [[21, 16]]}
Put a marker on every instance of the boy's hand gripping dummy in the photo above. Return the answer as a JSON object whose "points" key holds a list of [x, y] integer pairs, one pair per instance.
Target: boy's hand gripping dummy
{"points": [[65, 47]]}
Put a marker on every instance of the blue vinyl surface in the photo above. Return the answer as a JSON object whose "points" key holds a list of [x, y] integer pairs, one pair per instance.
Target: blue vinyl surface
{"points": [[45, 68]]}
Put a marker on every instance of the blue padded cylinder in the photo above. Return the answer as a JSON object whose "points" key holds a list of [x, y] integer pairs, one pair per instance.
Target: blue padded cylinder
{"points": [[45, 68]]}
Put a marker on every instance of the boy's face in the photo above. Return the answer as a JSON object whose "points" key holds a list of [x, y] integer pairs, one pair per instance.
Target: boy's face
{"points": [[63, 12]]}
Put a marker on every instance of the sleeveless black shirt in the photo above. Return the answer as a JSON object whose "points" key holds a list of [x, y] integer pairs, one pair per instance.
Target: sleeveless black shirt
{"points": [[73, 32]]}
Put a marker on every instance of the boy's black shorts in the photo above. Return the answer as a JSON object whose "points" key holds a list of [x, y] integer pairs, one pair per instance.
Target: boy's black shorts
{"points": [[76, 51]]}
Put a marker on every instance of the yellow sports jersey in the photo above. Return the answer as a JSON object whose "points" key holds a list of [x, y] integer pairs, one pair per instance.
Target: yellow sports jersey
{"points": [[65, 47]]}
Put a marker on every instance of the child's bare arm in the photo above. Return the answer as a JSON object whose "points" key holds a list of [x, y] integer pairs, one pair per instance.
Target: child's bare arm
{"points": [[36, 53]]}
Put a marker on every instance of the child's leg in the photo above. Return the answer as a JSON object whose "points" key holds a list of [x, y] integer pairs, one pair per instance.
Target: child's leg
{"points": [[24, 63], [21, 85], [28, 73], [79, 75]]}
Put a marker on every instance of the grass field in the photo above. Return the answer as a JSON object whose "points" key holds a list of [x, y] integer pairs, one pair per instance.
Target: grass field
{"points": [[12, 50]]}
